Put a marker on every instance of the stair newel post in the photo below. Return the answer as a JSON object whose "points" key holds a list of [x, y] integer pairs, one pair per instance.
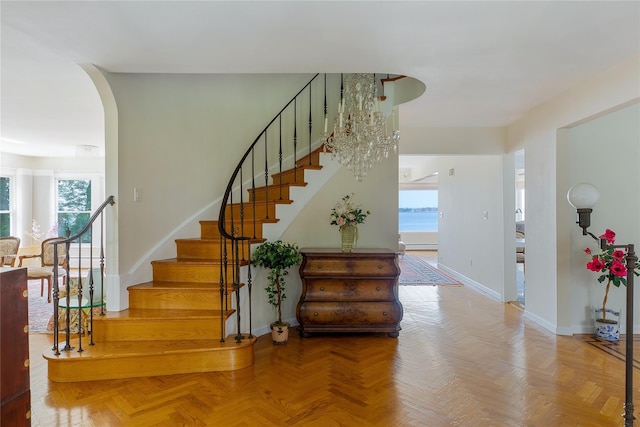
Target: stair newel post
{"points": [[326, 118], [91, 290], [80, 293], [102, 275], [280, 154], [253, 190], [310, 123], [295, 140], [236, 285], [241, 210], [223, 264], [249, 285], [56, 296], [266, 174]]}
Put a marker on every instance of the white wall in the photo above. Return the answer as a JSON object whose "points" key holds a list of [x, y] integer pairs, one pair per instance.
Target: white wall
{"points": [[446, 141], [471, 220], [608, 149], [550, 221]]}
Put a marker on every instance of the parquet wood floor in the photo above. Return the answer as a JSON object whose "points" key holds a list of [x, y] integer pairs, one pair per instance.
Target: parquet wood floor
{"points": [[461, 360]]}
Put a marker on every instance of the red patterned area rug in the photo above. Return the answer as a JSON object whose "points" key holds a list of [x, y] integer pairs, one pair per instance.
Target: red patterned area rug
{"points": [[416, 271], [40, 311]]}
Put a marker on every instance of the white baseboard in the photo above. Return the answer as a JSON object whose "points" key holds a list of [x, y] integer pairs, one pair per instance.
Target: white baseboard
{"points": [[472, 283], [422, 247]]}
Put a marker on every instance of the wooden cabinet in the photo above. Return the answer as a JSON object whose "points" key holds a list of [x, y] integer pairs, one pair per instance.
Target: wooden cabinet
{"points": [[349, 291], [14, 340]]}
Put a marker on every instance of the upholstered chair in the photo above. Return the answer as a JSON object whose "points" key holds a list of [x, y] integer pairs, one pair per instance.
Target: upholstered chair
{"points": [[9, 251], [45, 270]]}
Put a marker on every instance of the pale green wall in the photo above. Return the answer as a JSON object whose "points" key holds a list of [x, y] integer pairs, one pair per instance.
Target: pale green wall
{"points": [[608, 149]]}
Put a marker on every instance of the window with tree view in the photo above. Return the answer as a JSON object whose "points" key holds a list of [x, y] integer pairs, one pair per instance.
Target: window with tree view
{"points": [[74, 207], [5, 206]]}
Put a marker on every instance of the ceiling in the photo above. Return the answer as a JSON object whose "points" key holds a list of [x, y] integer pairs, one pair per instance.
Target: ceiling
{"points": [[484, 63]]}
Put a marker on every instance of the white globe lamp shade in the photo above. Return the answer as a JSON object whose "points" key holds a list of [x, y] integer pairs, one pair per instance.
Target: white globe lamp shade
{"points": [[583, 196]]}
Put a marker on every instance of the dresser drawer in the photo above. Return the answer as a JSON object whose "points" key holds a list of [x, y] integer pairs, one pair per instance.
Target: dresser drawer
{"points": [[350, 313], [350, 289], [363, 267]]}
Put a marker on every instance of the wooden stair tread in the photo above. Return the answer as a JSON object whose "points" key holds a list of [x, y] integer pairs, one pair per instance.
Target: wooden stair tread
{"points": [[208, 241], [284, 184], [193, 262], [262, 202], [168, 314], [117, 349], [155, 284]]}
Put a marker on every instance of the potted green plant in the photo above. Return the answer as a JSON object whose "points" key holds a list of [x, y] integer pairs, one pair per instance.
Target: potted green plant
{"points": [[610, 263], [277, 256]]}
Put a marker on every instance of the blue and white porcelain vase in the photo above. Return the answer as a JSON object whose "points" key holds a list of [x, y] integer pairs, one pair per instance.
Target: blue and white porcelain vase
{"points": [[609, 328]]}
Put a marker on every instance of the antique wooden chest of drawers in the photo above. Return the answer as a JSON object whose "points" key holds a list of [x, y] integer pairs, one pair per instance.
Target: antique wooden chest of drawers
{"points": [[14, 339], [349, 291]]}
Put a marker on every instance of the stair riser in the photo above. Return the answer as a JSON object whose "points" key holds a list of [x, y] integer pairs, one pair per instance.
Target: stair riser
{"points": [[209, 229], [262, 211], [176, 299], [315, 159], [187, 272], [157, 329], [209, 250], [133, 366], [273, 193], [289, 177]]}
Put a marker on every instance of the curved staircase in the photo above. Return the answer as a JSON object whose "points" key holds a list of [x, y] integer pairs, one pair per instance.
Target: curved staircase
{"points": [[174, 323]]}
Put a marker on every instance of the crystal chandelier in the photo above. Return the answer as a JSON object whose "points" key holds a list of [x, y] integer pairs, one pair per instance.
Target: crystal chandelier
{"points": [[360, 138]]}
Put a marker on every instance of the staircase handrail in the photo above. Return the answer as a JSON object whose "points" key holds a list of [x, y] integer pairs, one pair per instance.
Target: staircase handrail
{"points": [[229, 189], [109, 201]]}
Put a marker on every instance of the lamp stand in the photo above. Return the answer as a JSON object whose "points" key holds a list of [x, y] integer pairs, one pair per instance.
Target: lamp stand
{"points": [[631, 259], [628, 405]]}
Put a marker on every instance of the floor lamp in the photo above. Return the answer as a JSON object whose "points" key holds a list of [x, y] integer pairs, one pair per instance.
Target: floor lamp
{"points": [[583, 197]]}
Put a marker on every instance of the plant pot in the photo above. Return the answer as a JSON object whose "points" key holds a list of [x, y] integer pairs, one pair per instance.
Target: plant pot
{"points": [[280, 332], [348, 237], [609, 328]]}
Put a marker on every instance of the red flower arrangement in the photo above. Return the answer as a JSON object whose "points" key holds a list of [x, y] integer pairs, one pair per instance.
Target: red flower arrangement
{"points": [[611, 263]]}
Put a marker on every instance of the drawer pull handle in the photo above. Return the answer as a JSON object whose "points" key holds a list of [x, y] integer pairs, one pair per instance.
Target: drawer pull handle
{"points": [[26, 329], [384, 313], [322, 288], [319, 266], [27, 363], [315, 313], [377, 288], [25, 293], [380, 267]]}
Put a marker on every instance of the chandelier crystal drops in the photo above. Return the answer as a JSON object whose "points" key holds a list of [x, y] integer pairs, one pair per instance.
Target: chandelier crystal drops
{"points": [[360, 138]]}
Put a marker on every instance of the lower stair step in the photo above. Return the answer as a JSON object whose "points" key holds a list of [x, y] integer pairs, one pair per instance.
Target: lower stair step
{"points": [[129, 359], [177, 295], [150, 324]]}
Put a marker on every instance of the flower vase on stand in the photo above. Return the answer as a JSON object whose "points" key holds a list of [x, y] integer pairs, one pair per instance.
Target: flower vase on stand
{"points": [[348, 236], [609, 327]]}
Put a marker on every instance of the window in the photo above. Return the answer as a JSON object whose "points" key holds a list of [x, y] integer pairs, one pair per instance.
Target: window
{"points": [[418, 210], [74, 207], [5, 206]]}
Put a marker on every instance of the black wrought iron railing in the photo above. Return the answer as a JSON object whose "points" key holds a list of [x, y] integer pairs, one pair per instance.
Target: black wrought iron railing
{"points": [[77, 275], [276, 148]]}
